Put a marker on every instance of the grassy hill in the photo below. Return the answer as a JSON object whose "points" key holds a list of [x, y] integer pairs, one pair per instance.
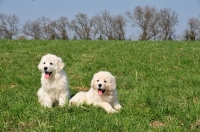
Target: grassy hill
{"points": [[158, 85]]}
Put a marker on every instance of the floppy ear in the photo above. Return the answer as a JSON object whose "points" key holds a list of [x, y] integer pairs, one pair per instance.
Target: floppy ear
{"points": [[60, 64], [113, 83], [40, 67], [92, 81]]}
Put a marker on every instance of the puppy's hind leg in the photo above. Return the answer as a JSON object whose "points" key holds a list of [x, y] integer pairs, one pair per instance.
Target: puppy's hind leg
{"points": [[78, 99], [62, 99]]}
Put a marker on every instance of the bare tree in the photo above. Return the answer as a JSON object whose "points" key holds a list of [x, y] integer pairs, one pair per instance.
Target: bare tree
{"points": [[82, 26], [193, 31], [46, 30], [59, 28], [146, 18], [186, 35], [119, 27], [62, 25], [105, 23], [168, 19], [76, 29], [107, 27], [53, 31], [33, 29], [8, 26], [96, 28]]}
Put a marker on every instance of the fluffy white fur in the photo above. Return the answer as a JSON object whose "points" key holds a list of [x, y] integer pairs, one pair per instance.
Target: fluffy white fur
{"points": [[54, 89], [102, 93]]}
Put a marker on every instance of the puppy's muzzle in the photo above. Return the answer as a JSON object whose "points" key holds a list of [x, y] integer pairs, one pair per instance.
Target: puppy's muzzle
{"points": [[100, 90], [45, 68], [99, 85], [47, 74]]}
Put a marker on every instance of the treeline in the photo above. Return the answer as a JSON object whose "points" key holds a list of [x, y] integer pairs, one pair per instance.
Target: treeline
{"points": [[154, 24]]}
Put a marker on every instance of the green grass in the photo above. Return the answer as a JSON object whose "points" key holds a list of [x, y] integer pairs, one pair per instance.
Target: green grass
{"points": [[158, 85]]}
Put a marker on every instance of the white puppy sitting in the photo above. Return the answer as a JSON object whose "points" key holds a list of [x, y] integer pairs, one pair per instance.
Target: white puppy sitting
{"points": [[102, 93], [55, 89]]}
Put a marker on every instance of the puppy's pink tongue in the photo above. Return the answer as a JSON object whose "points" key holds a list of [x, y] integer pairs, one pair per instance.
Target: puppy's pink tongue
{"points": [[47, 75], [100, 92]]}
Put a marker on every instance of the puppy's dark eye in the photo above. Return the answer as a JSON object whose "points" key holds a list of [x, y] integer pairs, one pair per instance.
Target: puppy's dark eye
{"points": [[105, 81], [44, 63], [51, 63], [97, 80]]}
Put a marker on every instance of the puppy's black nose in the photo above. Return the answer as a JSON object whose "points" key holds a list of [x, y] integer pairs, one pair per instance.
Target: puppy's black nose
{"points": [[99, 85], [45, 68]]}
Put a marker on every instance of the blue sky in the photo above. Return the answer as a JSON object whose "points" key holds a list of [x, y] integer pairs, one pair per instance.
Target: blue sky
{"points": [[54, 9]]}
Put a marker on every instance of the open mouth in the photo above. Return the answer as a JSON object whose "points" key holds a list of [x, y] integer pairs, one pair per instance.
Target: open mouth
{"points": [[47, 75], [101, 91]]}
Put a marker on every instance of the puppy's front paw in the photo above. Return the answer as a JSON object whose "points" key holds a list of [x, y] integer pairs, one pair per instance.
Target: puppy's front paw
{"points": [[47, 105], [118, 107], [112, 111], [61, 105], [71, 103]]}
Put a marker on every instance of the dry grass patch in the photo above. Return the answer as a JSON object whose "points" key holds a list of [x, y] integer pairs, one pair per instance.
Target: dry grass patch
{"points": [[157, 124]]}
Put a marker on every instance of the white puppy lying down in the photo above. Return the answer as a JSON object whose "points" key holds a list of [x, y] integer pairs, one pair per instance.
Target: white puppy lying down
{"points": [[55, 89], [102, 93]]}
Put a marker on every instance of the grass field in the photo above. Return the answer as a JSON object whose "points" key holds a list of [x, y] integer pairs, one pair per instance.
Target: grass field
{"points": [[158, 85]]}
